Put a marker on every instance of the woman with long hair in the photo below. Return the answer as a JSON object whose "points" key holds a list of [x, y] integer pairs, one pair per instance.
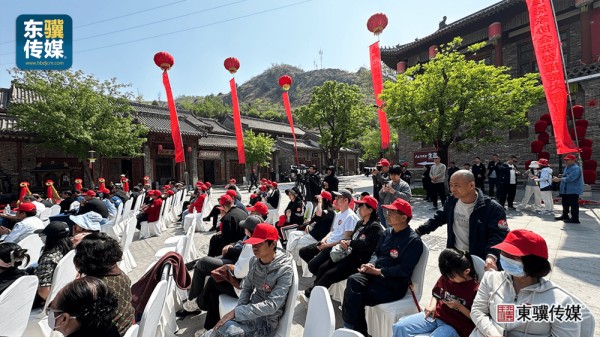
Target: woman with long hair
{"points": [[11, 258]]}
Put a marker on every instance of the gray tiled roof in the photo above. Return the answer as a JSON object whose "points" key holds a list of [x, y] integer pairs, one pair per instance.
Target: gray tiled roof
{"points": [[303, 144], [157, 119], [218, 141], [8, 124], [215, 126], [263, 125]]}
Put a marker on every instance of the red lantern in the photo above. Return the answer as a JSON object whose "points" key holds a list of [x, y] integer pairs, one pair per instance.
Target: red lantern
{"points": [[527, 163], [546, 118], [589, 177], [585, 153], [592, 103], [590, 165], [494, 31], [543, 155], [585, 143], [164, 60], [578, 111], [433, 50], [581, 131], [285, 82], [160, 147], [377, 23], [544, 137], [401, 67], [232, 64], [540, 126], [537, 146], [582, 122]]}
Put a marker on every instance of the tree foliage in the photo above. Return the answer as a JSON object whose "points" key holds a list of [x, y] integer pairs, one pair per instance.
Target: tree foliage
{"points": [[370, 142], [208, 106], [77, 113], [338, 111], [454, 101], [259, 148]]}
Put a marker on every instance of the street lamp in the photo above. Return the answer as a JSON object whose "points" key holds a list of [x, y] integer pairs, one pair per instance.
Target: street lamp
{"points": [[92, 156]]}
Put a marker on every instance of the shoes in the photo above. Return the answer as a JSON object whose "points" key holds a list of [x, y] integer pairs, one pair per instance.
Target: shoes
{"points": [[512, 208], [562, 217], [212, 229], [544, 212], [571, 221], [191, 306]]}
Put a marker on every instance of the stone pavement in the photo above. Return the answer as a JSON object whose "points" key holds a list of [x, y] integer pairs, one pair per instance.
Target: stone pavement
{"points": [[573, 248]]}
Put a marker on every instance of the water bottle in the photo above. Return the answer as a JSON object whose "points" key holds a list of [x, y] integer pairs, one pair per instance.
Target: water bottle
{"points": [[7, 209]]}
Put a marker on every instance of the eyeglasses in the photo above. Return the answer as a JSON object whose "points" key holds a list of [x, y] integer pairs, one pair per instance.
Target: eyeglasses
{"points": [[392, 212]]}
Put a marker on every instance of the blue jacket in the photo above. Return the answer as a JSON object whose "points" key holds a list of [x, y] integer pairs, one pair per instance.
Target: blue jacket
{"points": [[487, 225], [572, 181]]}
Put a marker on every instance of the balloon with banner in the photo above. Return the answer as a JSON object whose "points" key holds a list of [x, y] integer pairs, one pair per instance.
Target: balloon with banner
{"points": [[376, 24], [285, 82], [232, 65]]}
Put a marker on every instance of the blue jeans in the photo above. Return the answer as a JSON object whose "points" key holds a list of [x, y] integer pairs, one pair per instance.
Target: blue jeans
{"points": [[415, 324], [254, 328]]}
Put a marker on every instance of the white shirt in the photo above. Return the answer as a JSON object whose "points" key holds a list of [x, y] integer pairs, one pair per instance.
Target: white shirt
{"points": [[513, 174], [343, 222], [462, 213], [24, 228]]}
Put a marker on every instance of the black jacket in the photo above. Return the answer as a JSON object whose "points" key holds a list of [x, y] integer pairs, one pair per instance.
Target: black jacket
{"points": [[332, 181], [493, 167], [232, 232], [66, 204], [273, 199], [313, 186], [364, 240], [322, 224], [297, 208], [479, 170], [94, 205], [503, 173], [487, 225]]}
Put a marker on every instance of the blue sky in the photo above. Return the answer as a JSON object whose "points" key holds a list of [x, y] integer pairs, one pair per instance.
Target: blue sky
{"points": [[258, 32]]}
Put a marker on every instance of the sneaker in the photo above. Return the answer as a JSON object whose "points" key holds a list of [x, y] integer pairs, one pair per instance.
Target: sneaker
{"points": [[303, 299], [191, 306]]}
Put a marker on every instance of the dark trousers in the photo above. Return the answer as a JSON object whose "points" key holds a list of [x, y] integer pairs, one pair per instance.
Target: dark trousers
{"points": [[363, 290], [493, 183], [506, 192], [314, 257], [209, 300], [332, 272], [438, 189], [570, 202], [214, 214], [216, 244], [252, 184], [480, 183], [202, 269]]}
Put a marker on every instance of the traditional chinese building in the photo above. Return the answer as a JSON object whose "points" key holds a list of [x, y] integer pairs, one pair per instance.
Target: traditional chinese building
{"points": [[504, 27]]}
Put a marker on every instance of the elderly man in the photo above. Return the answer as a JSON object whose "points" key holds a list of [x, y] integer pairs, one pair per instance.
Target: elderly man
{"points": [[438, 181], [475, 221], [91, 204], [571, 187], [230, 231], [27, 223], [387, 275]]}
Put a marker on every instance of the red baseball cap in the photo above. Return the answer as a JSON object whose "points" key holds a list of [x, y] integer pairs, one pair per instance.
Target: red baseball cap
{"points": [[104, 190], [208, 185], [89, 193], [570, 157], [157, 193], [384, 162], [326, 195], [521, 242], [274, 184], [170, 192], [369, 200], [25, 207], [232, 180], [225, 199], [263, 231], [260, 208], [199, 182], [263, 180], [263, 188], [543, 162], [400, 205], [202, 187], [405, 164], [231, 193]]}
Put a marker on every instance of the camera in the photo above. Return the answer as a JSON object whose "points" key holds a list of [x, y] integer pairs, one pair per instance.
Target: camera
{"points": [[299, 169]]}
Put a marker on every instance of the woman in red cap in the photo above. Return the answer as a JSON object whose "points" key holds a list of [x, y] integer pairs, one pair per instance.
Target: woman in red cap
{"points": [[508, 302]]}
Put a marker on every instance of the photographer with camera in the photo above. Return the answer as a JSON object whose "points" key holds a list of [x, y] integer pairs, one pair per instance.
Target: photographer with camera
{"points": [[330, 181], [313, 184], [380, 176]]}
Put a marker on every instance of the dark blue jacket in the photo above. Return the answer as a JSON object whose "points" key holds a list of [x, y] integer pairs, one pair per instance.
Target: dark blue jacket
{"points": [[487, 225]]}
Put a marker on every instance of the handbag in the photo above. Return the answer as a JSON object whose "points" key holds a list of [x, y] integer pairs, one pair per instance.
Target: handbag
{"points": [[225, 273], [337, 253]]}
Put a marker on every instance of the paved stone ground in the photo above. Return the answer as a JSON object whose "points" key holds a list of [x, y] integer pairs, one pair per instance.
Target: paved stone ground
{"points": [[574, 251]]}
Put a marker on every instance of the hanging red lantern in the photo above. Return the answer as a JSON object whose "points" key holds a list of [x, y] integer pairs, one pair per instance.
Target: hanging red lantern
{"points": [[537, 146], [285, 82], [577, 111], [164, 60], [581, 131], [232, 64], [527, 163], [544, 137], [433, 50], [377, 23], [590, 165], [585, 153], [544, 155], [540, 126], [585, 143], [160, 147], [589, 177], [582, 122], [546, 118], [495, 31]]}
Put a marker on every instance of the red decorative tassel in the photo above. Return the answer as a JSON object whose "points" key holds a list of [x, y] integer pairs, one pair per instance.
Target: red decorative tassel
{"points": [[288, 111], [237, 123], [175, 133], [376, 76], [547, 52]]}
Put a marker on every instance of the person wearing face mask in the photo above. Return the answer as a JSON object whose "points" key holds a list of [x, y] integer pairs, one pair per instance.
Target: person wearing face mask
{"points": [[84, 307], [524, 257]]}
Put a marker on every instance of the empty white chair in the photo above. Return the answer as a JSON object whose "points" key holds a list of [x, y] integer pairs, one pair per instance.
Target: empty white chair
{"points": [[15, 306], [346, 333], [54, 210], [138, 203], [190, 252], [182, 247], [381, 317], [127, 208], [34, 246], [479, 266], [320, 319], [111, 227], [127, 264], [132, 331], [45, 216], [153, 311]]}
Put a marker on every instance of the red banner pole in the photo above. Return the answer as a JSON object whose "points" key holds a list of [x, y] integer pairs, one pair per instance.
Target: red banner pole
{"points": [[237, 123], [375, 57], [288, 111], [175, 132]]}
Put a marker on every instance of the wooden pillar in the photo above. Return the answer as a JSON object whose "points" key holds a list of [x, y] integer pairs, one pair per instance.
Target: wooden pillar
{"points": [[586, 34]]}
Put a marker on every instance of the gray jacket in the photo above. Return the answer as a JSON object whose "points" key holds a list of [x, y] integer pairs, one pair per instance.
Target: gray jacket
{"points": [[265, 290], [402, 190]]}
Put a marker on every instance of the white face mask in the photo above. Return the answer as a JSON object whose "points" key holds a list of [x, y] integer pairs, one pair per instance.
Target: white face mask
{"points": [[51, 320], [512, 267]]}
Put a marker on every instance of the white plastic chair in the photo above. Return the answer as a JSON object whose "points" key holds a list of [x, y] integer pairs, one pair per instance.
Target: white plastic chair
{"points": [[45, 216], [337, 290], [127, 208], [153, 311], [228, 303], [479, 266], [74, 205], [34, 246], [127, 264], [308, 211], [346, 333], [183, 246], [111, 227], [15, 306], [191, 252], [54, 210], [381, 317], [273, 215], [149, 229], [320, 319], [138, 203], [132, 331]]}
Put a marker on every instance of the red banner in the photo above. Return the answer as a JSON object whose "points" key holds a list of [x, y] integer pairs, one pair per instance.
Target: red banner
{"points": [[175, 132], [375, 56], [548, 54], [237, 123], [288, 111]]}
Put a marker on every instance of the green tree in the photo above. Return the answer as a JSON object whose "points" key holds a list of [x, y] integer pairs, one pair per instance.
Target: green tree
{"points": [[259, 148], [76, 113], [338, 112], [370, 144], [452, 101]]}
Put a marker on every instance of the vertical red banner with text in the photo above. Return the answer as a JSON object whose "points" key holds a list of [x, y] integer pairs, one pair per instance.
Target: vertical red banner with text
{"points": [[237, 123], [375, 56]]}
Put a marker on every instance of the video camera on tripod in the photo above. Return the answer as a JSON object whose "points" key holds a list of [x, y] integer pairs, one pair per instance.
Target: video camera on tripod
{"points": [[298, 175]]}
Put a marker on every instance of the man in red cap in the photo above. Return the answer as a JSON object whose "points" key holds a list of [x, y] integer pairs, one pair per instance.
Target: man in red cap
{"points": [[268, 281], [230, 231], [387, 275], [259, 209], [93, 204], [27, 223], [571, 187], [380, 176]]}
